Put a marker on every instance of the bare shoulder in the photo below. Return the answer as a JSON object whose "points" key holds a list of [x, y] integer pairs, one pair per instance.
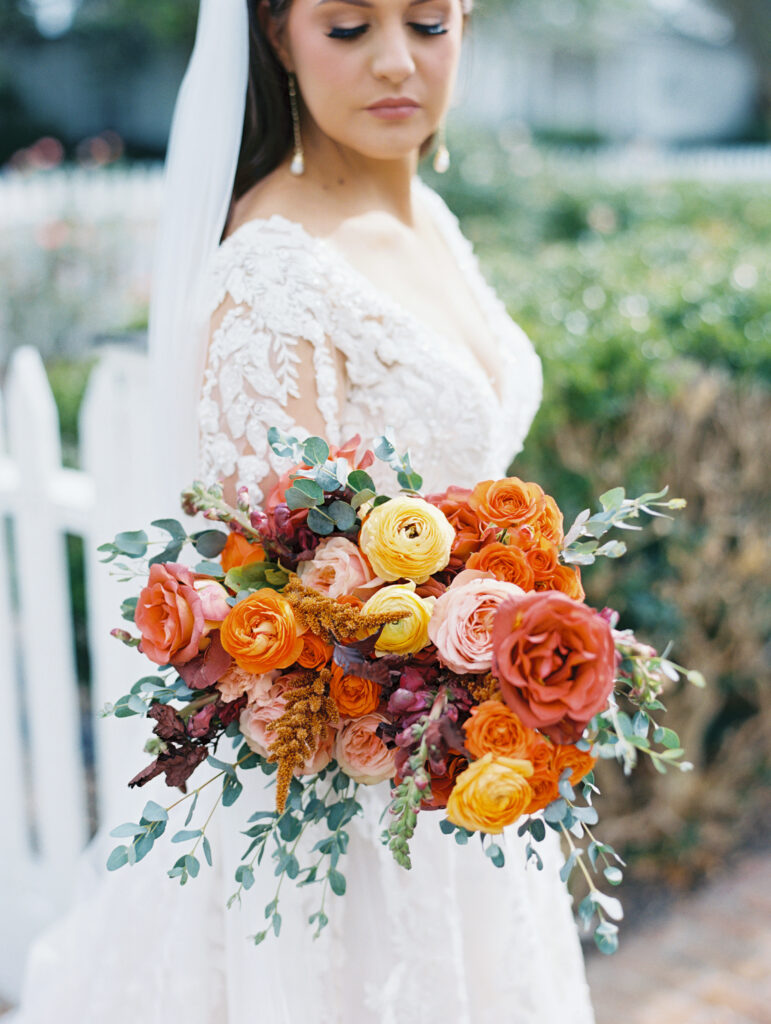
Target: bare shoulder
{"points": [[284, 194]]}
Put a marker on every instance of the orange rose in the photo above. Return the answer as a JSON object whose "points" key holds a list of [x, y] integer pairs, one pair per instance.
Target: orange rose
{"points": [[542, 558], [505, 563], [550, 521], [315, 653], [495, 729], [543, 781], [170, 615], [564, 578], [507, 502], [580, 761], [353, 695], [261, 632], [490, 794], [240, 551], [470, 533]]}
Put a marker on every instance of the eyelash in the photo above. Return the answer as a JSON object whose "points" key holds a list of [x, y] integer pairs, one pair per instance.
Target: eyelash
{"points": [[359, 30]]}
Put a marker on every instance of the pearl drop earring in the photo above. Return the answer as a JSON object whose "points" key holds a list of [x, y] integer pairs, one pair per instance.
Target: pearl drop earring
{"points": [[442, 155], [298, 160]]}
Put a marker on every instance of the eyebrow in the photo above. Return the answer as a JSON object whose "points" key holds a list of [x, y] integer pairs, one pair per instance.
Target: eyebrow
{"points": [[363, 3]]}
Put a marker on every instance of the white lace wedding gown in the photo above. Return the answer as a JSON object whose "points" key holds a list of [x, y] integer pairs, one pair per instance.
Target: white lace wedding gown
{"points": [[453, 941]]}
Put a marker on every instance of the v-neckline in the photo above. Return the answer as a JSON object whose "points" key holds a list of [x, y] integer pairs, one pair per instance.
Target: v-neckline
{"points": [[385, 299]]}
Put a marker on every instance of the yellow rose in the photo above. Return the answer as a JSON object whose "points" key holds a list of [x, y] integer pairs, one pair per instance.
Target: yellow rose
{"points": [[410, 633], [406, 538], [490, 794]]}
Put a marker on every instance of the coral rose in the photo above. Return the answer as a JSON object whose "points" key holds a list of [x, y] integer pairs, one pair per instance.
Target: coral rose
{"points": [[493, 728], [543, 781], [507, 502], [555, 661], [490, 794], [354, 696], [240, 551], [470, 533], [410, 633], [406, 538], [337, 568], [261, 632], [505, 562], [170, 615], [316, 651], [361, 753], [461, 624], [564, 578]]}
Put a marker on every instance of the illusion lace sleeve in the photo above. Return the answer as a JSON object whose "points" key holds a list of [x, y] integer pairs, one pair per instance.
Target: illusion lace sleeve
{"points": [[270, 361]]}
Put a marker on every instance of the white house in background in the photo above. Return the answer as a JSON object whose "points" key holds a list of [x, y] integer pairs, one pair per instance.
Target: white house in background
{"points": [[672, 75]]}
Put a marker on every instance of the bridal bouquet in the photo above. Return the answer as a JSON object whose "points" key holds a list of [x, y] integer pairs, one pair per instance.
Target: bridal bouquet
{"points": [[338, 637]]}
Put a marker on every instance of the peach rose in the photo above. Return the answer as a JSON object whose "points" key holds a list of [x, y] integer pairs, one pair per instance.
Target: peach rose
{"points": [[316, 651], [461, 624], [493, 728], [261, 632], [505, 562], [337, 568], [555, 661], [269, 707], [214, 601], [240, 551], [362, 754], [236, 682], [490, 794], [170, 615], [507, 502], [354, 696], [566, 579]]}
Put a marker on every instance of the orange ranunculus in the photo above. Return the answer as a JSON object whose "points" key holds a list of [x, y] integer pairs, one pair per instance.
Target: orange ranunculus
{"points": [[240, 551], [316, 652], [353, 695], [505, 562], [170, 615], [490, 794], [564, 578], [550, 521], [507, 502], [261, 632], [555, 661], [470, 533], [580, 762], [542, 558], [543, 781], [493, 728]]}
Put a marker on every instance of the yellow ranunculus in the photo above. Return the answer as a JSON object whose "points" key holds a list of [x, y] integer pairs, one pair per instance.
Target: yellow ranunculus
{"points": [[410, 633], [406, 538], [490, 794]]}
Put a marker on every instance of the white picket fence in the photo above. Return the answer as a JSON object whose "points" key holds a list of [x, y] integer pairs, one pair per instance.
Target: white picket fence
{"points": [[44, 819]]}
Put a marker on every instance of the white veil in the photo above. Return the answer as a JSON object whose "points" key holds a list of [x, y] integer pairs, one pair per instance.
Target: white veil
{"points": [[200, 168]]}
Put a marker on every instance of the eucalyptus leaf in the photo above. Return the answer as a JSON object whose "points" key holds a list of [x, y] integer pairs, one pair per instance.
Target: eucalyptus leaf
{"points": [[209, 543], [132, 543], [315, 451]]}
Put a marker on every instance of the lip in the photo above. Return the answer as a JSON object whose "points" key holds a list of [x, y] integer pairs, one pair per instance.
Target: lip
{"points": [[393, 101], [394, 108]]}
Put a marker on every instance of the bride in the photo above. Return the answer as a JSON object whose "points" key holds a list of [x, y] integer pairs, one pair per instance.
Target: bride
{"points": [[337, 296]]}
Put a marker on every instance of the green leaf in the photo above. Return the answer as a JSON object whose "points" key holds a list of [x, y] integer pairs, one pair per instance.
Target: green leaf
{"points": [[447, 827], [666, 737], [586, 910], [555, 811], [343, 515], [171, 526], [231, 790], [361, 496], [206, 846], [358, 480], [124, 831], [613, 499], [185, 834], [209, 543], [284, 445], [695, 678], [154, 812], [276, 924], [169, 554], [320, 522], [537, 829], [289, 827], [614, 875], [336, 882], [259, 937], [309, 488], [192, 865], [128, 607], [245, 876], [495, 853], [606, 938], [297, 498], [117, 858], [315, 451], [409, 481], [132, 543], [221, 766]]}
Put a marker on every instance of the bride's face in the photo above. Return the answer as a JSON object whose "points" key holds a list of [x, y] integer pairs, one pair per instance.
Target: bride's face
{"points": [[350, 55]]}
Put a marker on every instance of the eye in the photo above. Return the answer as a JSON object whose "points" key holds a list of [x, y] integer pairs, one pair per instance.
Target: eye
{"points": [[347, 33], [429, 30]]}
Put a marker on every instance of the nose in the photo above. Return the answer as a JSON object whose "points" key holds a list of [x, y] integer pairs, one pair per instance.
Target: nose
{"points": [[393, 59]]}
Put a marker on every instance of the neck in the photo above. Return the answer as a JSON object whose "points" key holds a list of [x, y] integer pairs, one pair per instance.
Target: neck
{"points": [[362, 183]]}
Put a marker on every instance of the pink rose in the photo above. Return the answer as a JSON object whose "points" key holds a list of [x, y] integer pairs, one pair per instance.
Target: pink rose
{"points": [[213, 601], [461, 625], [170, 615], [362, 754], [337, 568], [237, 681], [268, 707]]}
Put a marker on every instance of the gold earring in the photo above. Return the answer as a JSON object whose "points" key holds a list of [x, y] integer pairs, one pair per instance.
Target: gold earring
{"points": [[442, 154], [298, 160]]}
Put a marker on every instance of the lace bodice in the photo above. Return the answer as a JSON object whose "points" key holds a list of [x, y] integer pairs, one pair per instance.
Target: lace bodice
{"points": [[285, 286]]}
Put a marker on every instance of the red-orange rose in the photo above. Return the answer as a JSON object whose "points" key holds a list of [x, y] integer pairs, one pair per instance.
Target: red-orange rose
{"points": [[555, 661], [580, 762], [542, 558], [470, 533]]}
